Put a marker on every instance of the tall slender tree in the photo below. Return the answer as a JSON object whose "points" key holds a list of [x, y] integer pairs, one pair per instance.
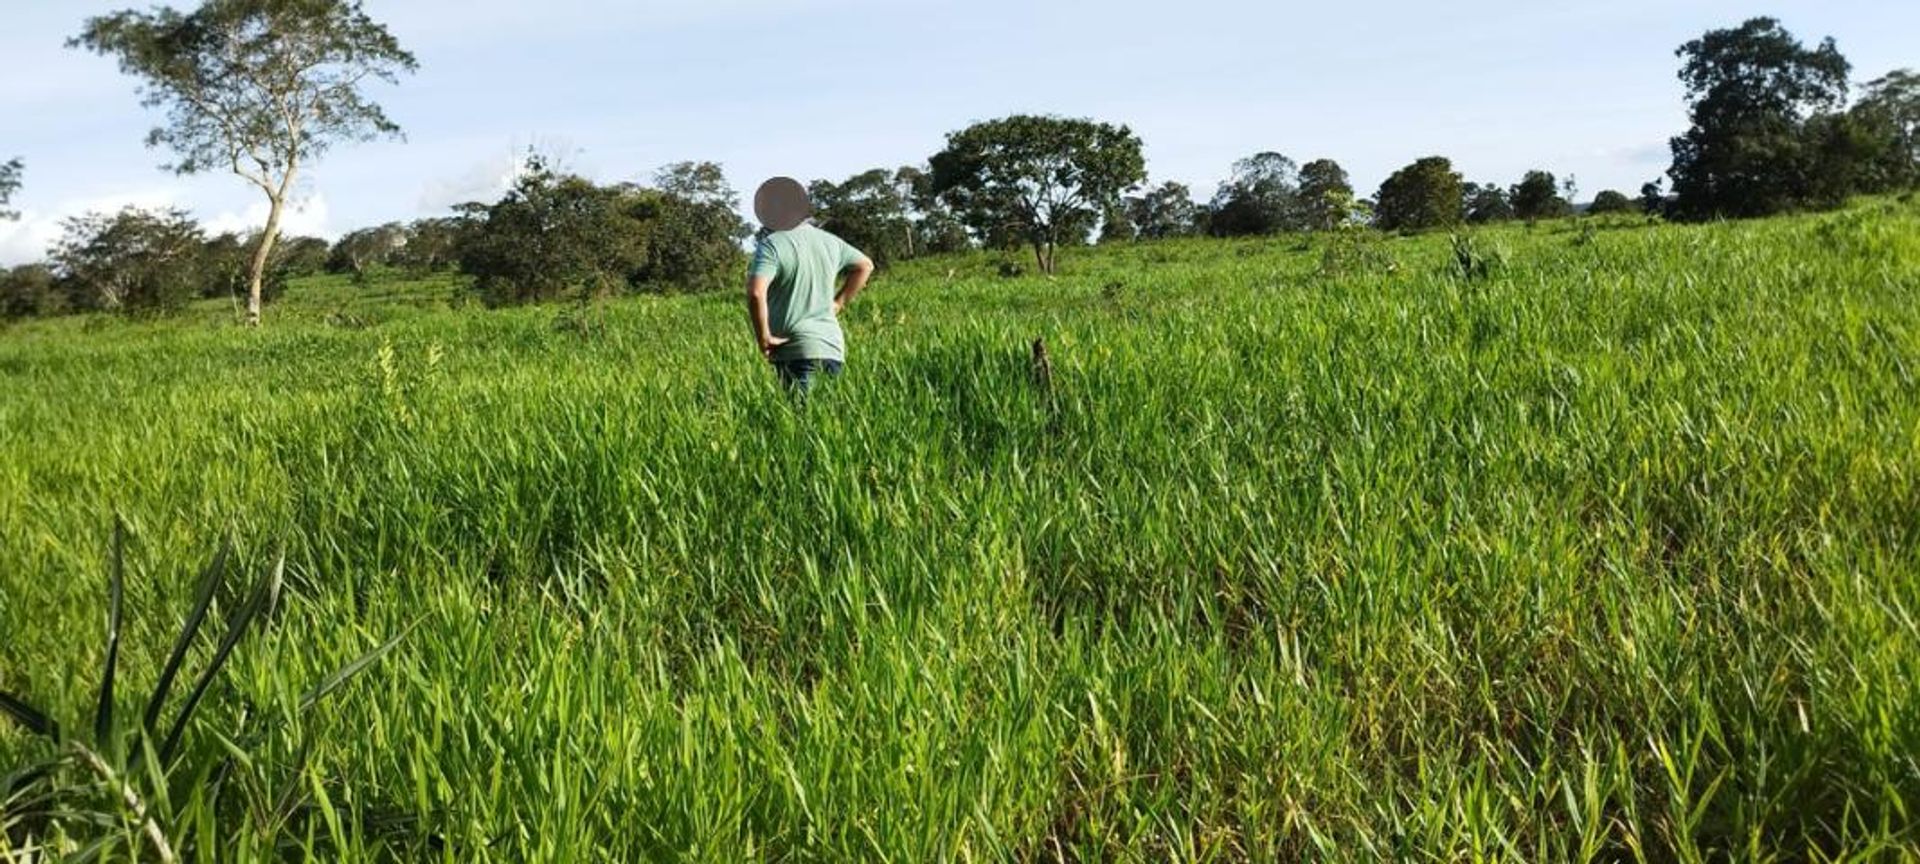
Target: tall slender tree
{"points": [[261, 88]]}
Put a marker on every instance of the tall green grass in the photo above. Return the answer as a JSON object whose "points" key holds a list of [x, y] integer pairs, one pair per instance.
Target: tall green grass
{"points": [[1603, 551]]}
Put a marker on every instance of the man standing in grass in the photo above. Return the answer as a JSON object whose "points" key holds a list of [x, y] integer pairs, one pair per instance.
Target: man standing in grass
{"points": [[794, 288]]}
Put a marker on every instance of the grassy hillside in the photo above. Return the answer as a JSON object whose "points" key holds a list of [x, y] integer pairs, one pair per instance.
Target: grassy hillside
{"points": [[1310, 550]]}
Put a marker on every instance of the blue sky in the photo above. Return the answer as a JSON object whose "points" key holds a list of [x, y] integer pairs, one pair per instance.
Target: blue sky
{"points": [[826, 88]]}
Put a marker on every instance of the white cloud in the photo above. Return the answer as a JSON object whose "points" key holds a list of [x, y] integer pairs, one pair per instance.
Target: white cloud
{"points": [[29, 239], [485, 182], [306, 218], [33, 236]]}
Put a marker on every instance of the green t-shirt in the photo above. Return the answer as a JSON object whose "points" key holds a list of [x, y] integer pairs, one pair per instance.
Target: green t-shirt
{"points": [[805, 265]]}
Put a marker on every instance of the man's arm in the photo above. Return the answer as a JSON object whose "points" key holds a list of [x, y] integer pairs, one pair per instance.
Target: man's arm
{"points": [[857, 276], [757, 311]]}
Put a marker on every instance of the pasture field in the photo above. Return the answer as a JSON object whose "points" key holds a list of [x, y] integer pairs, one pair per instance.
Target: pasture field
{"points": [[1603, 547]]}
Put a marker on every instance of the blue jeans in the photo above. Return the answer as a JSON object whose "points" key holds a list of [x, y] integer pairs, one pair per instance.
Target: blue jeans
{"points": [[798, 375]]}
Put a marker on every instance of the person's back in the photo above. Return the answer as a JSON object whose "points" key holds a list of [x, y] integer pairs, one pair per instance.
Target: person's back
{"points": [[804, 265], [793, 291]]}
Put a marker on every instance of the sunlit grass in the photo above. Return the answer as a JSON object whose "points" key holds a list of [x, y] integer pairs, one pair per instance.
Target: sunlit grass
{"points": [[1610, 554]]}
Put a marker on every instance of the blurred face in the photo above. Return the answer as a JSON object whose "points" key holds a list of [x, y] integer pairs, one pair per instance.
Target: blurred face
{"points": [[781, 204]]}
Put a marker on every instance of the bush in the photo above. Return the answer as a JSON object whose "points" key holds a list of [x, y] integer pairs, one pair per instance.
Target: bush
{"points": [[552, 236], [135, 260], [1610, 201], [28, 291]]}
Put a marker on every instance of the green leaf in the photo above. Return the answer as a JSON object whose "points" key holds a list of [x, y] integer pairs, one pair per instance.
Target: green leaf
{"points": [[237, 624], [29, 717], [116, 590], [210, 579], [340, 677]]}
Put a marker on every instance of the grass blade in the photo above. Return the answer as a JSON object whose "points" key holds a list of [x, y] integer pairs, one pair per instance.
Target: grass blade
{"points": [[210, 579], [116, 591], [345, 673], [29, 717], [236, 628]]}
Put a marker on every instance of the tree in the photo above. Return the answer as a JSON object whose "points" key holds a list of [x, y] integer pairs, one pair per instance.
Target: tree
{"points": [[1036, 177], [1653, 199], [1426, 194], [134, 260], [9, 184], [936, 230], [1610, 201], [303, 256], [30, 290], [224, 264], [1167, 211], [1537, 196], [428, 245], [1486, 203], [1750, 91], [552, 236], [869, 211], [1326, 196], [693, 226], [359, 251], [1260, 198], [258, 87], [1891, 110]]}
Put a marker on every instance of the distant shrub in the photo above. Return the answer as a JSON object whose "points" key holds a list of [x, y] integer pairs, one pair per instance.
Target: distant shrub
{"points": [[135, 260], [1610, 201], [1357, 252]]}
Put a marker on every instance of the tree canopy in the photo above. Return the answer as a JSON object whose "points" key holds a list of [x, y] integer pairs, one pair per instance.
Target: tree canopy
{"points": [[1326, 196], [1537, 196], [1041, 178], [1260, 197], [134, 260], [1611, 201], [1426, 194], [1751, 90]]}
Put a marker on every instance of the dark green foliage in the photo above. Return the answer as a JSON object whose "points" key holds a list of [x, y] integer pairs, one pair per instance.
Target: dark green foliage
{"points": [[135, 260], [1611, 201], [692, 228], [553, 236], [1890, 110], [1653, 198], [1486, 203], [226, 263], [30, 291], [9, 184], [1537, 196], [1751, 90], [1039, 179], [303, 256], [1426, 194], [1326, 196], [870, 211], [1165, 211], [428, 245], [1261, 197]]}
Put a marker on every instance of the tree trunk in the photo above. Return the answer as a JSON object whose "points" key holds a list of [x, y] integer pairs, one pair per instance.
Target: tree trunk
{"points": [[256, 274]]}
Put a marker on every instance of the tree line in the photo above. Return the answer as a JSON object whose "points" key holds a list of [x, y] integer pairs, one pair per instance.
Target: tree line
{"points": [[264, 87]]}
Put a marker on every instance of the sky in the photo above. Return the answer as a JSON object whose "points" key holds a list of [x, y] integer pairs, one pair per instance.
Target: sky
{"points": [[828, 88]]}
